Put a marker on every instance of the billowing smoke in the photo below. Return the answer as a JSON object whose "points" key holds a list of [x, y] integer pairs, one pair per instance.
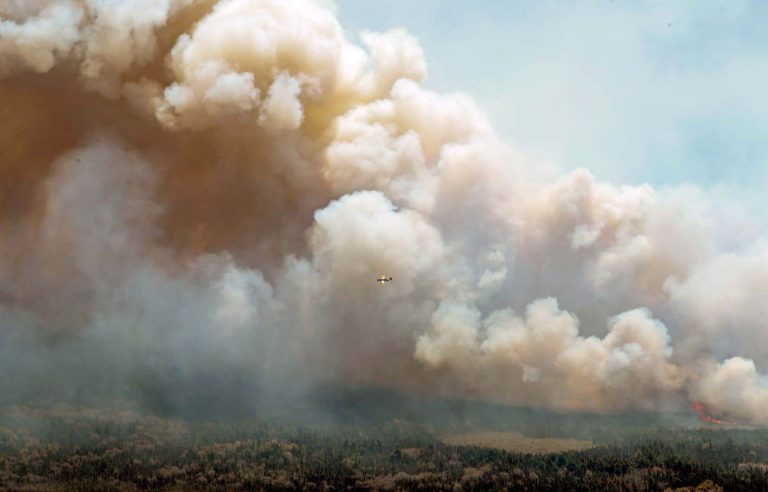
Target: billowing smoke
{"points": [[196, 196]]}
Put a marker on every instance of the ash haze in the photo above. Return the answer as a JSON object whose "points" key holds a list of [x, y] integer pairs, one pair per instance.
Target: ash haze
{"points": [[197, 197]]}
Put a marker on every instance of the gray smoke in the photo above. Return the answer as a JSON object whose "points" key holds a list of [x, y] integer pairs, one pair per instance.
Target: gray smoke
{"points": [[197, 196]]}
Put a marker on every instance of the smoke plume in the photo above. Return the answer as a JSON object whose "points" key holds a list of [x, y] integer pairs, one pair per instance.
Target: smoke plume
{"points": [[196, 197]]}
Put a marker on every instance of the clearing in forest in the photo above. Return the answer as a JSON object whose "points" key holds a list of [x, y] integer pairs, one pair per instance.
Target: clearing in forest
{"points": [[516, 442]]}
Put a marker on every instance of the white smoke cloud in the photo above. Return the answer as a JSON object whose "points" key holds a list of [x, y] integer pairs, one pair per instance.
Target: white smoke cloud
{"points": [[38, 38], [233, 177], [626, 368], [735, 388]]}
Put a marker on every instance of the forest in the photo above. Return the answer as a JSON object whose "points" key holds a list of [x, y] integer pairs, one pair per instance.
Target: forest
{"points": [[73, 448]]}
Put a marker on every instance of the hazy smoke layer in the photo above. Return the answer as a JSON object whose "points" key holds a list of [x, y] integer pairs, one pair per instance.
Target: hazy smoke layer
{"points": [[196, 197]]}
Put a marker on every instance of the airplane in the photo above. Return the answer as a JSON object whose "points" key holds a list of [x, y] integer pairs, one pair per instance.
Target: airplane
{"points": [[383, 279]]}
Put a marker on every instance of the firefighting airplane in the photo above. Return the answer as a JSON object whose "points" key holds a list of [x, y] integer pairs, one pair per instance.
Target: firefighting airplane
{"points": [[382, 279]]}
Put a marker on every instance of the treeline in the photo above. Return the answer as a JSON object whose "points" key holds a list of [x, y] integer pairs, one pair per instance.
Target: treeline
{"points": [[92, 451]]}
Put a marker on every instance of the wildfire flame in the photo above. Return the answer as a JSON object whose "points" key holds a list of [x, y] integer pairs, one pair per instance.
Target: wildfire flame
{"points": [[698, 407]]}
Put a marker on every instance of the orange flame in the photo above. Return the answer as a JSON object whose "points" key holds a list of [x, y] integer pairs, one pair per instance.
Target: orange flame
{"points": [[698, 407]]}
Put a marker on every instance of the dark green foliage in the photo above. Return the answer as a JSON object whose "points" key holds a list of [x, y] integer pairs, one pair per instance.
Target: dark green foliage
{"points": [[71, 450]]}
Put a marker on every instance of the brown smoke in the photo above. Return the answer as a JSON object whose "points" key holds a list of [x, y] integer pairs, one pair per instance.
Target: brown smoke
{"points": [[211, 188]]}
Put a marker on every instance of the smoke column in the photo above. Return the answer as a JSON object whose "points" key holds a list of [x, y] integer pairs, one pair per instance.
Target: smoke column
{"points": [[197, 196]]}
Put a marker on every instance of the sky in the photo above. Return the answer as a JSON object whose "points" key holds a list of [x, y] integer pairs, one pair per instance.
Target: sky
{"points": [[658, 92]]}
